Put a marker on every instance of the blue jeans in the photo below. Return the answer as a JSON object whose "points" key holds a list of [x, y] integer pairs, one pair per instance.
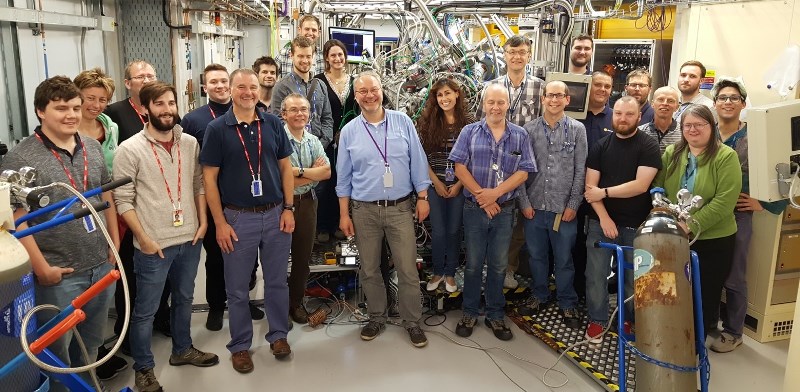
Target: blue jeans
{"points": [[486, 239], [446, 217], [598, 268], [92, 329], [180, 266], [539, 237]]}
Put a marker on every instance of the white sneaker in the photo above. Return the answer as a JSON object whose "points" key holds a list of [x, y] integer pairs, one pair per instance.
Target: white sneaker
{"points": [[450, 288], [726, 343], [433, 284], [509, 282]]}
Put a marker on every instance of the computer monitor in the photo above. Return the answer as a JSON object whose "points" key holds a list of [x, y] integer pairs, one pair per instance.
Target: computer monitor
{"points": [[360, 43], [579, 86]]}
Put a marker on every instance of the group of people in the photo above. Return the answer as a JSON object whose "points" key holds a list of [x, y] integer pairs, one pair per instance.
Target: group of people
{"points": [[298, 146]]}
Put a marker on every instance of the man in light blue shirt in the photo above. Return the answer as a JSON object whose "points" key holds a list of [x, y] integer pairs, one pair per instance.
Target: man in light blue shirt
{"points": [[309, 166], [380, 164]]}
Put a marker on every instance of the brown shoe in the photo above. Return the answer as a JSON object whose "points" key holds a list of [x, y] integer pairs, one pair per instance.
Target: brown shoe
{"points": [[242, 362], [280, 348], [299, 314]]}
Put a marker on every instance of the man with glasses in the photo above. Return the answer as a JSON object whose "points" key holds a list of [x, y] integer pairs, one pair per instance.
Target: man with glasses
{"points": [[249, 185], [309, 166], [308, 26], [637, 85], [380, 164], [691, 75], [524, 91], [550, 205], [619, 171], [131, 117], [663, 128], [729, 101], [581, 55]]}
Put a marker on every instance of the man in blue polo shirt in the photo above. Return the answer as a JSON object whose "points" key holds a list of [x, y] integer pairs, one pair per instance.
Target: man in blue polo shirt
{"points": [[492, 159], [246, 169], [380, 163]]}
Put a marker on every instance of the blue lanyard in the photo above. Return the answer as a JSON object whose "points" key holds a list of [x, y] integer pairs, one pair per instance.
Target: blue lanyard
{"points": [[299, 152], [567, 143], [305, 93], [513, 105]]}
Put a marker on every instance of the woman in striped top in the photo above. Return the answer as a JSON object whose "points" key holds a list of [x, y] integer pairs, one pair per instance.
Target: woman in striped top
{"points": [[441, 121]]}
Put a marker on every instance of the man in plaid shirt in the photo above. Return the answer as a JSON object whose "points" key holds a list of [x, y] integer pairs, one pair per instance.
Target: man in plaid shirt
{"points": [[308, 26]]}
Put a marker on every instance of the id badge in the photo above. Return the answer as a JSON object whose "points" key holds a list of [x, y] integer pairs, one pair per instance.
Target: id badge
{"points": [[88, 224], [255, 188], [388, 180], [449, 174], [177, 219]]}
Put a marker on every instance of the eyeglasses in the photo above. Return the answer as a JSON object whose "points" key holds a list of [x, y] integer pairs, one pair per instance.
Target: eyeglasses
{"points": [[145, 78], [729, 98], [297, 110], [638, 85], [517, 53], [373, 91], [555, 96], [697, 126], [666, 100]]}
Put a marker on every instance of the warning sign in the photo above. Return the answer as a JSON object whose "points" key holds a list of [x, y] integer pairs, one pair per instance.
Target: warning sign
{"points": [[707, 82]]}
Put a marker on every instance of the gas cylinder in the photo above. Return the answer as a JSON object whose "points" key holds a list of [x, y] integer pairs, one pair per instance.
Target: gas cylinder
{"points": [[663, 304]]}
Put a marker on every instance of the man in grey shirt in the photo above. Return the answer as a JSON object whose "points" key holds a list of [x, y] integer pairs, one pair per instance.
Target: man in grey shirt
{"points": [[552, 199]]}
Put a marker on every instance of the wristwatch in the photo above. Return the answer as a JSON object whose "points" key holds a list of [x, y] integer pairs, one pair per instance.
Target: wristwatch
{"points": [[606, 189], [289, 207], [300, 173], [422, 197]]}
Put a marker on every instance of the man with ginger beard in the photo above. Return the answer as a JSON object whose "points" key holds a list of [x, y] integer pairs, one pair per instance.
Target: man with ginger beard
{"points": [[690, 77], [167, 231], [617, 189]]}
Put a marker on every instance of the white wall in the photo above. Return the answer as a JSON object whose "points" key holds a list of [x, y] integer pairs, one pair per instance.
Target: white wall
{"points": [[383, 28], [736, 40]]}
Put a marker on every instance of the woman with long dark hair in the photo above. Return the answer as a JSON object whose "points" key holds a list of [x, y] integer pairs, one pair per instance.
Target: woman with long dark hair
{"points": [[700, 163], [442, 119], [339, 85]]}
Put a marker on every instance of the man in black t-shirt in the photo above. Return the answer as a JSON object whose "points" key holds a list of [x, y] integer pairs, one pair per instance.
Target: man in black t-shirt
{"points": [[619, 171]]}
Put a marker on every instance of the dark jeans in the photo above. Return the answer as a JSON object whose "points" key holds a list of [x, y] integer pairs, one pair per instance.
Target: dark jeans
{"points": [[716, 257], [736, 284], [126, 255], [540, 239], [579, 250], [305, 217], [598, 268], [446, 217], [328, 211]]}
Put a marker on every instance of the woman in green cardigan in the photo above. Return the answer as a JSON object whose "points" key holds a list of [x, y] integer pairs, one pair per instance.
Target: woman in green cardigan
{"points": [[700, 163]]}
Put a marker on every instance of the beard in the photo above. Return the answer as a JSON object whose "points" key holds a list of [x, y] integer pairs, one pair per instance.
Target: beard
{"points": [[578, 62], [623, 130], [163, 126]]}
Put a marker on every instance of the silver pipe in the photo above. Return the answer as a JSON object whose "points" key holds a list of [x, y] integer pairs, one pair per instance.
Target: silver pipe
{"points": [[433, 26], [491, 42], [502, 25]]}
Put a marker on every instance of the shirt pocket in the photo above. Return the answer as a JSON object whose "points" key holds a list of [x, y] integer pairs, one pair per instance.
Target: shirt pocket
{"points": [[510, 163]]}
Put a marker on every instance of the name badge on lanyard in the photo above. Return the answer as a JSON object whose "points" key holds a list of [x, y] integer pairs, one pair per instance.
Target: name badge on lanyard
{"points": [[256, 188], [388, 178], [449, 172]]}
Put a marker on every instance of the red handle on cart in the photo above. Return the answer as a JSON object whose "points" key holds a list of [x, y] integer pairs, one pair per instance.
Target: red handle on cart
{"points": [[95, 289], [56, 332]]}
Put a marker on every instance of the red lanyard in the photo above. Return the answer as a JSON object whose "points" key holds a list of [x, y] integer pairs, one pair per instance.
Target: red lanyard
{"points": [[136, 111], [247, 154], [169, 191], [212, 112], [66, 171]]}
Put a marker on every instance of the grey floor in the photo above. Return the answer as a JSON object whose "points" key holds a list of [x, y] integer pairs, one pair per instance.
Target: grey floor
{"points": [[336, 359]]}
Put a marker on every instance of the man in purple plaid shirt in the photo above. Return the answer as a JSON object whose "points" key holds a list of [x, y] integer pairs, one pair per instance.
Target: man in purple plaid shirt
{"points": [[492, 159]]}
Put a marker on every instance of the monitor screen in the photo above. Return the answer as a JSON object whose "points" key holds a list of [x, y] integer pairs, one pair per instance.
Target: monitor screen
{"points": [[360, 44], [578, 92]]}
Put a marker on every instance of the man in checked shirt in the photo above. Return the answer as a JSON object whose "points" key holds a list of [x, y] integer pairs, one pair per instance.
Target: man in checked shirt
{"points": [[551, 203], [523, 100]]}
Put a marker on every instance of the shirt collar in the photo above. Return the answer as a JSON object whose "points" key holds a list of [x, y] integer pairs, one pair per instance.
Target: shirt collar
{"points": [[230, 118], [49, 143]]}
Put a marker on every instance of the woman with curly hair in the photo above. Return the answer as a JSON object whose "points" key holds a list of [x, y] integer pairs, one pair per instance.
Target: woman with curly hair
{"points": [[441, 121]]}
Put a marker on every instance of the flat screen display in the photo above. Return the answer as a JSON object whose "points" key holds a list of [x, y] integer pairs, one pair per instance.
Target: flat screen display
{"points": [[360, 43]]}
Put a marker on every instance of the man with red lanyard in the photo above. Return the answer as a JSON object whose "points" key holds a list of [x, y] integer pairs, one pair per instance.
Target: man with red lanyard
{"points": [[131, 117], [218, 88], [69, 258], [249, 188], [168, 231]]}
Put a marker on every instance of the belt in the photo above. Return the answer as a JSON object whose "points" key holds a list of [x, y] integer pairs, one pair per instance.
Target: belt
{"points": [[387, 203], [261, 208], [307, 195]]}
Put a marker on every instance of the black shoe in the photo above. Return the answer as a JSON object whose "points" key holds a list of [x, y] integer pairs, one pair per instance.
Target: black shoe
{"points": [[529, 307], [110, 368], [465, 326], [571, 318], [214, 320], [499, 328], [255, 312], [372, 330], [299, 314], [163, 327]]}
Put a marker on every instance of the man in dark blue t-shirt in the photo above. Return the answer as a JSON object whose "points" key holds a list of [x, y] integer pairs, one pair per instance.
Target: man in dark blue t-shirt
{"points": [[249, 188]]}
